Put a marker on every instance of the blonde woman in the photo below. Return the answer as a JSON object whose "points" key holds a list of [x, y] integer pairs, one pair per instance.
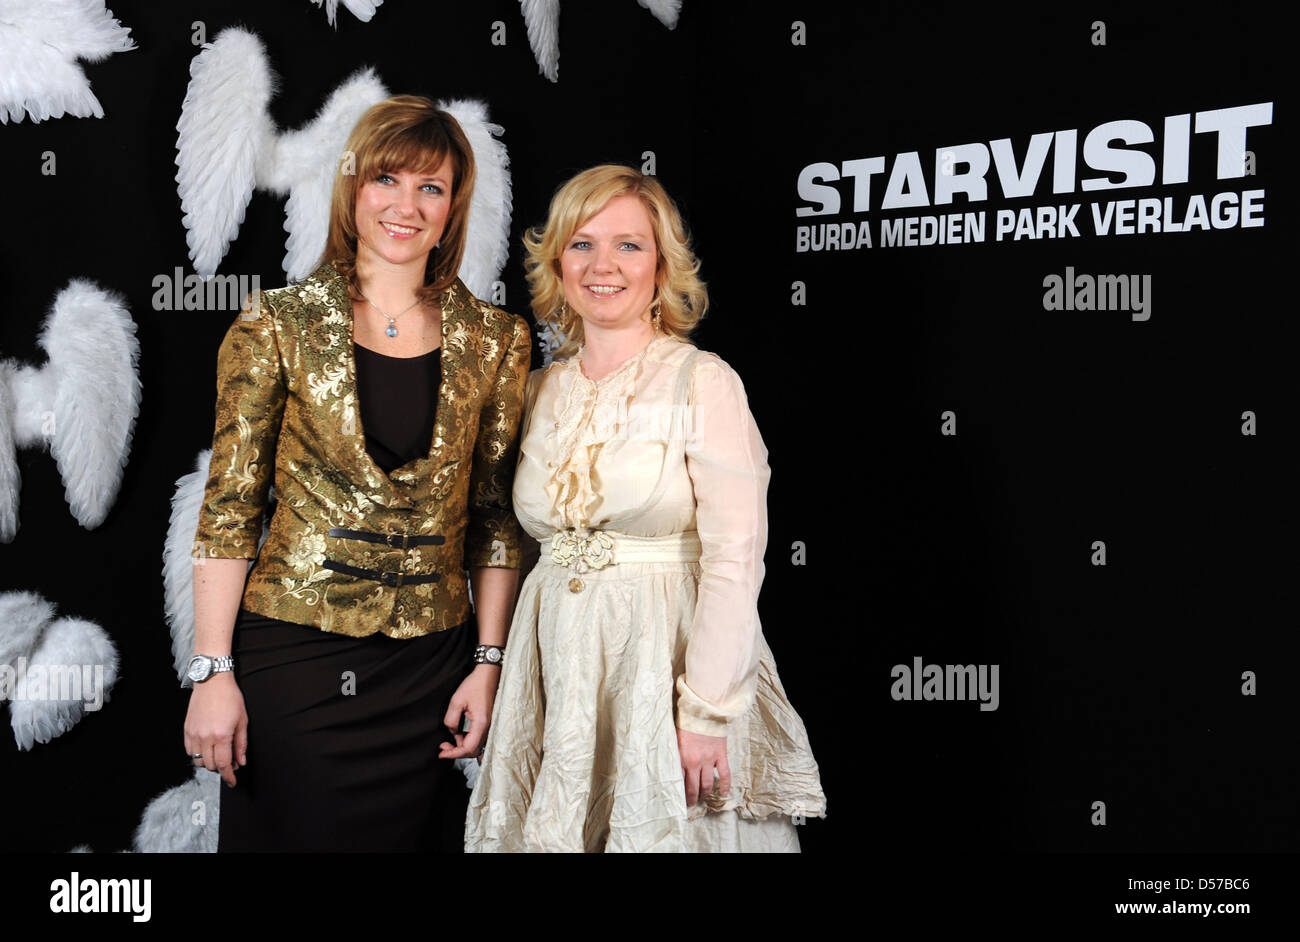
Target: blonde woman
{"points": [[639, 708]]}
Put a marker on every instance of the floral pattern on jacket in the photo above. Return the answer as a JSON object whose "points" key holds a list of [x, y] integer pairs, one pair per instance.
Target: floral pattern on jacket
{"points": [[287, 413]]}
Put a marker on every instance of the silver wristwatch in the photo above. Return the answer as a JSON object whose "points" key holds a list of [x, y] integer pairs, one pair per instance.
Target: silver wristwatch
{"points": [[202, 667], [488, 654]]}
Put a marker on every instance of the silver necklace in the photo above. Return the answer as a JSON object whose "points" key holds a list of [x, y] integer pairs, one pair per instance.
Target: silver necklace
{"points": [[392, 321]]}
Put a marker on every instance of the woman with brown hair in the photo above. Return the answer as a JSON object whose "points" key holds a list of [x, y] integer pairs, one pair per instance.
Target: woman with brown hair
{"points": [[383, 400], [639, 708]]}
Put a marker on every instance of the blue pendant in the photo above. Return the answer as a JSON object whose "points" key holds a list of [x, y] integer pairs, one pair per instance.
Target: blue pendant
{"points": [[392, 330]]}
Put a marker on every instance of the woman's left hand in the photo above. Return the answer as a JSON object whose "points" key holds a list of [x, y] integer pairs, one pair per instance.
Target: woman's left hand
{"points": [[700, 754], [474, 697]]}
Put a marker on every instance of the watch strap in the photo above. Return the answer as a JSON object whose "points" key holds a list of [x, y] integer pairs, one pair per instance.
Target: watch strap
{"points": [[223, 662]]}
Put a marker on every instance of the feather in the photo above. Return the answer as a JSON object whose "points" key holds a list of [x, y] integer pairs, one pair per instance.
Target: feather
{"points": [[303, 163], [23, 616], [10, 477], [40, 41], [487, 238], [542, 22], [470, 767], [665, 11], [76, 657], [82, 404], [223, 131], [94, 355], [228, 145], [182, 820], [179, 562], [361, 9]]}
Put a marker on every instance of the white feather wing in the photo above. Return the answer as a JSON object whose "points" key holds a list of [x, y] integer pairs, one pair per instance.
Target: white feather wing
{"points": [[182, 820], [10, 477], [303, 163], [178, 562], [224, 129], [67, 644], [94, 353], [542, 21], [40, 41], [665, 11], [488, 233]]}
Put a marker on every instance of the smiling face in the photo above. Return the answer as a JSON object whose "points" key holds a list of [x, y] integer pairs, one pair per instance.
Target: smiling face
{"points": [[401, 215], [609, 264]]}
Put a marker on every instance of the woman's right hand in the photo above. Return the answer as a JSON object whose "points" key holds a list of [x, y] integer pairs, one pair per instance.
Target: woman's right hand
{"points": [[217, 726]]}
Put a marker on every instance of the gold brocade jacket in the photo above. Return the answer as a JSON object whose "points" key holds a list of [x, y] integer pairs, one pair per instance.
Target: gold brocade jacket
{"points": [[287, 410]]}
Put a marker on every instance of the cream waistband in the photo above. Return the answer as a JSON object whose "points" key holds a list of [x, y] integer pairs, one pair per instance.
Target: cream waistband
{"points": [[600, 548]]}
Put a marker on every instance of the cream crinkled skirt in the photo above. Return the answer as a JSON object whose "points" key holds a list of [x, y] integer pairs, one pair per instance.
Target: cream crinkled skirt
{"points": [[582, 751]]}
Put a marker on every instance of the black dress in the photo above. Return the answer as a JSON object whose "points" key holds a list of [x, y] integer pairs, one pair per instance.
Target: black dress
{"points": [[343, 732]]}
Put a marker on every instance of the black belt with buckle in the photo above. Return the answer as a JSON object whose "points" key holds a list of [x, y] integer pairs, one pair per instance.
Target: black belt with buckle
{"points": [[397, 540], [387, 578]]}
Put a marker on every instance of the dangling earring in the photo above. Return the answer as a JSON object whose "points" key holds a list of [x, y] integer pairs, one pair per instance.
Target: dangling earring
{"points": [[564, 309], [655, 317]]}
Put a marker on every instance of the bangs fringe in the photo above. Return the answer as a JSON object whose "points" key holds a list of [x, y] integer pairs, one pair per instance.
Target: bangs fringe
{"points": [[417, 150]]}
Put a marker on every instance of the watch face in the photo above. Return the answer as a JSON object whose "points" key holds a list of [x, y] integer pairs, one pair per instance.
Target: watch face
{"points": [[493, 655], [200, 668]]}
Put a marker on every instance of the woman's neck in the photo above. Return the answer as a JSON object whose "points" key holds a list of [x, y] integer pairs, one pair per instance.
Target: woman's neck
{"points": [[604, 351], [391, 286]]}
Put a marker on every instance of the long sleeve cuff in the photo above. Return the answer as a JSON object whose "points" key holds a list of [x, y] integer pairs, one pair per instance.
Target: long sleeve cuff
{"points": [[697, 715]]}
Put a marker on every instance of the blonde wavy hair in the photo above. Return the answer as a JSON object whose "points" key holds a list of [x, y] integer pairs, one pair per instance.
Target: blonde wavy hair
{"points": [[678, 289], [405, 132]]}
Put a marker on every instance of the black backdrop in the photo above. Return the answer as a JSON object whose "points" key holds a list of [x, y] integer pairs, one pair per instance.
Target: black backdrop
{"points": [[1119, 683]]}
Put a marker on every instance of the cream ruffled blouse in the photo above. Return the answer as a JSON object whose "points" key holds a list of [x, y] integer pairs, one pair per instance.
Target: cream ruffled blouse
{"points": [[601, 455]]}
